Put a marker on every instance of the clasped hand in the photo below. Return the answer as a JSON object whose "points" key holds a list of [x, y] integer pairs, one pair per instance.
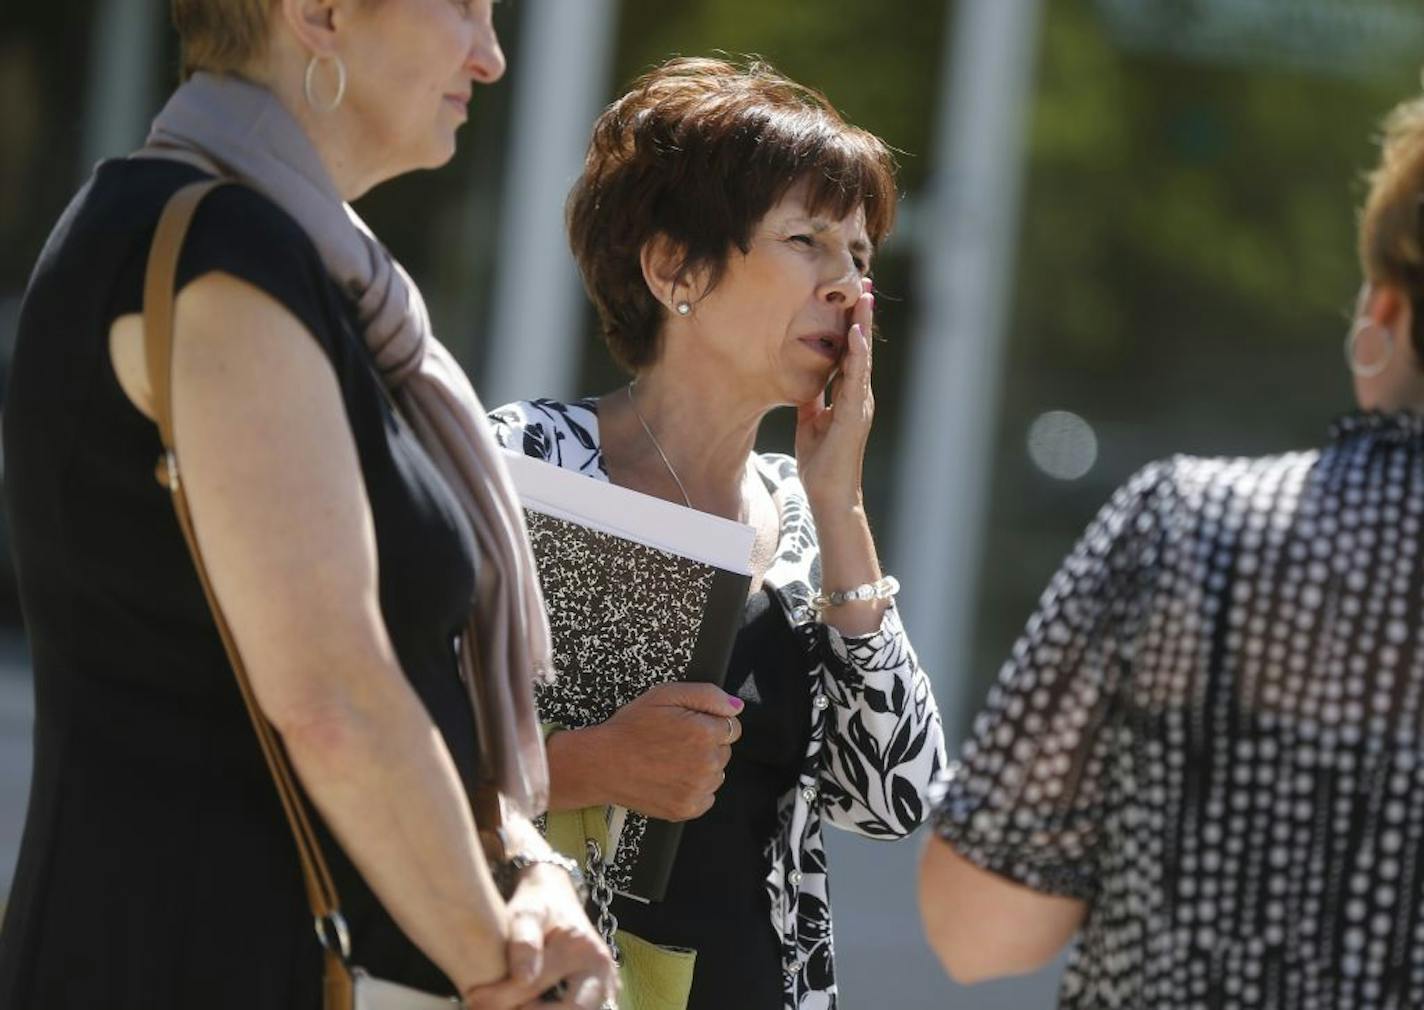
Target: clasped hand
{"points": [[552, 946]]}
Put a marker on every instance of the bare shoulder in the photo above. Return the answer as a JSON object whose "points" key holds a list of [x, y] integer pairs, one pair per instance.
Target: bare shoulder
{"points": [[218, 318]]}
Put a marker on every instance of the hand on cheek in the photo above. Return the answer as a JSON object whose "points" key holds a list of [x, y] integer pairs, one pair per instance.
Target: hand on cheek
{"points": [[831, 438]]}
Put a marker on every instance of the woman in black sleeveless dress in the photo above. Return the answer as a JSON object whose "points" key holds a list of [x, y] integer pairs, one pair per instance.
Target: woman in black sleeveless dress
{"points": [[157, 869]]}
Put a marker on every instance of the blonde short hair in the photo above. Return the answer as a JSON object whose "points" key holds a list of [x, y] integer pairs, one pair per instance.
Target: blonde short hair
{"points": [[220, 36]]}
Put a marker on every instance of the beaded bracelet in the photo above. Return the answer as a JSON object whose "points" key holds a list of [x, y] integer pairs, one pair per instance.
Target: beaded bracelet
{"points": [[507, 873], [880, 589]]}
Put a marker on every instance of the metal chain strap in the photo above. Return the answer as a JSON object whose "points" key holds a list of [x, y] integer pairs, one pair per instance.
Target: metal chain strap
{"points": [[601, 894]]}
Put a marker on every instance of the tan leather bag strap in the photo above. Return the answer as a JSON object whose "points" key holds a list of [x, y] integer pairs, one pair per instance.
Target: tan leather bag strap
{"points": [[158, 299]]}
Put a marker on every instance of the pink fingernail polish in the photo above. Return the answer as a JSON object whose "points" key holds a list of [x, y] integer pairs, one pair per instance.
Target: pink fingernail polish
{"points": [[737, 703]]}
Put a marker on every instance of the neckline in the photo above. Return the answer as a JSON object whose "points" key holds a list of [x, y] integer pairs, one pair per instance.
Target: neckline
{"points": [[590, 403], [1384, 425]]}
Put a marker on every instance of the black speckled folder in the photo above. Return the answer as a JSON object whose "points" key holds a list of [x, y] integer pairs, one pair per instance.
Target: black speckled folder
{"points": [[639, 592]]}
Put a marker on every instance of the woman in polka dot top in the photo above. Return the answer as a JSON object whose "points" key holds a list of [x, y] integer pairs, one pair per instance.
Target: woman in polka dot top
{"points": [[1205, 757]]}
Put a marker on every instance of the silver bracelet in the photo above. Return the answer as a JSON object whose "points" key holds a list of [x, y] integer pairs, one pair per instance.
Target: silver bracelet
{"points": [[515, 865], [880, 589]]}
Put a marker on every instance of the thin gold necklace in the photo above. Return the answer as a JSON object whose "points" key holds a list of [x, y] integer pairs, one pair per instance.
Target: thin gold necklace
{"points": [[654, 439]]}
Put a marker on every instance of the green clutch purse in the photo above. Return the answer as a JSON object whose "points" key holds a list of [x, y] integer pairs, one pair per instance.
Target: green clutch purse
{"points": [[653, 977]]}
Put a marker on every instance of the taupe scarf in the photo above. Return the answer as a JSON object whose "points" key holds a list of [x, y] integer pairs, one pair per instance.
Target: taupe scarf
{"points": [[243, 131]]}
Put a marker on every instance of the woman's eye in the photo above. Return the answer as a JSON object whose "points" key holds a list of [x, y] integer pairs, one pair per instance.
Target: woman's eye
{"points": [[805, 240], [862, 267]]}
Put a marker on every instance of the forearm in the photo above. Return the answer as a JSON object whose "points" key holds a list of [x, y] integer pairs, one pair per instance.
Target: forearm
{"points": [[982, 926], [385, 783], [523, 837], [285, 530], [578, 772], [848, 559]]}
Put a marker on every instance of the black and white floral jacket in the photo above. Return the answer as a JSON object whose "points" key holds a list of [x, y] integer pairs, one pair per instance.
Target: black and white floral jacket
{"points": [[876, 741]]}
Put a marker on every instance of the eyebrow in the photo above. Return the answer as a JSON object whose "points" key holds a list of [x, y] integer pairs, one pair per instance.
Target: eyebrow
{"points": [[820, 224]]}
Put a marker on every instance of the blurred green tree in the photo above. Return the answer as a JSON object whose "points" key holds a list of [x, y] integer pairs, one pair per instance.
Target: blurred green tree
{"points": [[1186, 261]]}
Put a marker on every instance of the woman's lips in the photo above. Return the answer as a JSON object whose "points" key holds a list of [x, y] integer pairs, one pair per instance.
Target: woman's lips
{"points": [[461, 103], [826, 346]]}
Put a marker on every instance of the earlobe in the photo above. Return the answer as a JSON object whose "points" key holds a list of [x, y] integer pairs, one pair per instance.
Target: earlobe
{"points": [[1392, 310], [1383, 305], [662, 262]]}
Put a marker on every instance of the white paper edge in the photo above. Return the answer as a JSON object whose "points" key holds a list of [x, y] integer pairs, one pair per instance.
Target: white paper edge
{"points": [[552, 490]]}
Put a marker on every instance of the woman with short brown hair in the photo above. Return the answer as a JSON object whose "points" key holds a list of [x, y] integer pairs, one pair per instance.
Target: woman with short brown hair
{"points": [[725, 223], [350, 510]]}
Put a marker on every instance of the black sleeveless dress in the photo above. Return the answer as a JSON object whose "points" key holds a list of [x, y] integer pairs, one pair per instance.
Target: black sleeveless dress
{"points": [[156, 868]]}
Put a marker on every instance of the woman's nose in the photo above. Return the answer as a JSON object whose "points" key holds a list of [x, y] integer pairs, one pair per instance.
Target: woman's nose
{"points": [[486, 59], [845, 289]]}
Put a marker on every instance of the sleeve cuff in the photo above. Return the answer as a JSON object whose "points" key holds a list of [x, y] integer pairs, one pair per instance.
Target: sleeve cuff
{"points": [[890, 628], [957, 820]]}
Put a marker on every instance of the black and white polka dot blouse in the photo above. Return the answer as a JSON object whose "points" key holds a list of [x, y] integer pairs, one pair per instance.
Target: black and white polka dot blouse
{"points": [[1210, 732]]}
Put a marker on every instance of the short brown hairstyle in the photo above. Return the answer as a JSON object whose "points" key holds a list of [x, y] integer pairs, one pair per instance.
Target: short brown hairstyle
{"points": [[1391, 246], [220, 36], [698, 151]]}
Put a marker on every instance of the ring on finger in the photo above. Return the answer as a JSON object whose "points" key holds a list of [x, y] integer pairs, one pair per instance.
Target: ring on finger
{"points": [[731, 730]]}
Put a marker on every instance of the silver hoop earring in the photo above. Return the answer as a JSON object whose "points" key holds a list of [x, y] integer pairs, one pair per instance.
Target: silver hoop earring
{"points": [[309, 83], [684, 308], [1368, 370]]}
